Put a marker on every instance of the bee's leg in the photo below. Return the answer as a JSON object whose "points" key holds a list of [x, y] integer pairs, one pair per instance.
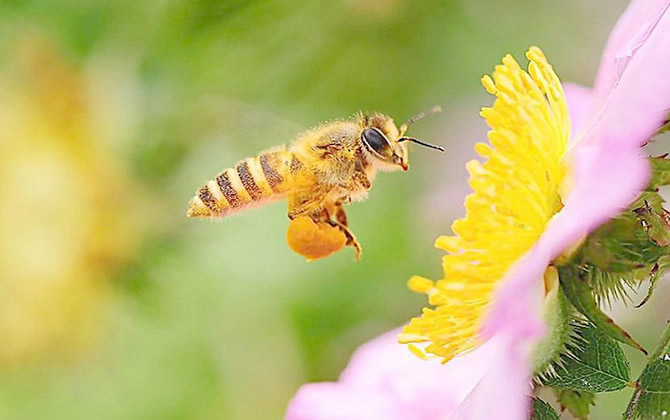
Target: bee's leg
{"points": [[351, 238], [341, 223], [361, 180]]}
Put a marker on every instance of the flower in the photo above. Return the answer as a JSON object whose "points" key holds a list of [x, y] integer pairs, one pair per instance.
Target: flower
{"points": [[518, 202], [534, 199], [483, 297]]}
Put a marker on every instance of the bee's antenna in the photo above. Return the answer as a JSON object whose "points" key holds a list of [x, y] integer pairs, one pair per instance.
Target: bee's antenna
{"points": [[422, 143], [419, 116]]}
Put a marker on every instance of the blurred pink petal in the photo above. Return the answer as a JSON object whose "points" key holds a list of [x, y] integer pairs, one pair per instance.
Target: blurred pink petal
{"points": [[385, 381], [333, 401], [580, 101]]}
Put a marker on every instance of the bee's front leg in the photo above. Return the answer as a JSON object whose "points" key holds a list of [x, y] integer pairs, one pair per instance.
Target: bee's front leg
{"points": [[361, 180]]}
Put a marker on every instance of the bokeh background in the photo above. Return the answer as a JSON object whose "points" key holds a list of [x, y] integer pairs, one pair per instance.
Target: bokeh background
{"points": [[113, 305]]}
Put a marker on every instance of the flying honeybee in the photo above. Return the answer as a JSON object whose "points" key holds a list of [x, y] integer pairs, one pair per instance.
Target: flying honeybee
{"points": [[323, 169]]}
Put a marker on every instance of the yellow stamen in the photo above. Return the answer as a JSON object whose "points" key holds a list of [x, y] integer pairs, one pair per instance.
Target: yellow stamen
{"points": [[420, 284], [515, 194], [417, 351]]}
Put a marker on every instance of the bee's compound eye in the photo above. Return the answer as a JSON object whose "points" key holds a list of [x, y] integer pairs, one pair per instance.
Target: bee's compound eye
{"points": [[375, 140]]}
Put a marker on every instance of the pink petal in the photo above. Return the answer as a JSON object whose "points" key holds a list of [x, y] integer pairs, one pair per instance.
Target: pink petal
{"points": [[580, 100], [514, 323], [332, 401], [385, 381], [517, 303], [631, 31], [503, 390], [608, 179], [417, 386]]}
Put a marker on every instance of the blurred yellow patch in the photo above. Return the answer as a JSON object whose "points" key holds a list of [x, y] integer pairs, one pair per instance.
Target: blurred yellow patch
{"points": [[67, 221]]}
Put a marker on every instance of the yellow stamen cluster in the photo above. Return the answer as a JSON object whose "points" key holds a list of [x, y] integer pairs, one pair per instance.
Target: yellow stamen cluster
{"points": [[516, 192]]}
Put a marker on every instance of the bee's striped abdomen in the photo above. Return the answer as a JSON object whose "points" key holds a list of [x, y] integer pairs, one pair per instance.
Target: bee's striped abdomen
{"points": [[251, 182]]}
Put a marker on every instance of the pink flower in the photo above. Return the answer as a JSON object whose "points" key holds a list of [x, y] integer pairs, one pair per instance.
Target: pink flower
{"points": [[604, 171]]}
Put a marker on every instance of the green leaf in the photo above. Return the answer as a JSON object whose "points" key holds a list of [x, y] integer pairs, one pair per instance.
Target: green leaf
{"points": [[541, 410], [651, 399], [578, 403], [580, 294], [598, 366]]}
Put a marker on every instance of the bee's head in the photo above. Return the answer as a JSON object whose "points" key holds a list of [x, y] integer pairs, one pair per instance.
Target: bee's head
{"points": [[386, 143]]}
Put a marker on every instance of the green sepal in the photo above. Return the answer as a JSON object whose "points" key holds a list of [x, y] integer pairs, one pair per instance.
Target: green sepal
{"points": [[651, 399], [541, 410], [656, 223], [578, 403], [654, 276], [580, 294], [630, 241], [627, 250], [660, 172], [597, 364], [557, 315]]}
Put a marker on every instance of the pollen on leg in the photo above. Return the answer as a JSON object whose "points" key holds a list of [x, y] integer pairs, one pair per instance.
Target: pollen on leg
{"points": [[314, 240]]}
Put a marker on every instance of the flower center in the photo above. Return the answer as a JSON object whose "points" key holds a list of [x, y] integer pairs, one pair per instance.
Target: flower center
{"points": [[515, 194]]}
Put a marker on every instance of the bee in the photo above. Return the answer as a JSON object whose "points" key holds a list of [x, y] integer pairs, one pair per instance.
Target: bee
{"points": [[322, 170]]}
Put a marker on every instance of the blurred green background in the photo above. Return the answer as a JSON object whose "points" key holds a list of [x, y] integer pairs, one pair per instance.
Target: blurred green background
{"points": [[114, 305]]}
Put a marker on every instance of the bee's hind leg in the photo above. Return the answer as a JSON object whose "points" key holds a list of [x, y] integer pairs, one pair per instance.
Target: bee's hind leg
{"points": [[351, 238]]}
